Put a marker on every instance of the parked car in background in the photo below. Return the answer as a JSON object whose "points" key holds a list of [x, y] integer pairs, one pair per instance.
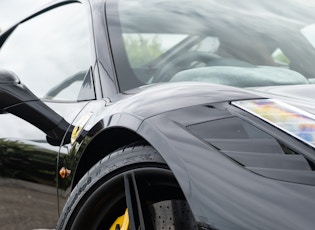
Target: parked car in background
{"points": [[159, 114]]}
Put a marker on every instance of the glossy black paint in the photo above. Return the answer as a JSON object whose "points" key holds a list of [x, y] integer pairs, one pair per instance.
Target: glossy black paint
{"points": [[222, 193]]}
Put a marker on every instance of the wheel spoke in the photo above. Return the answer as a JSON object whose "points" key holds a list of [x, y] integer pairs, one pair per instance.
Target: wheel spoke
{"points": [[130, 200], [134, 204]]}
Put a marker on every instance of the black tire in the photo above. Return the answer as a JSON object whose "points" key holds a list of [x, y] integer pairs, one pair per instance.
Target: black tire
{"points": [[135, 177]]}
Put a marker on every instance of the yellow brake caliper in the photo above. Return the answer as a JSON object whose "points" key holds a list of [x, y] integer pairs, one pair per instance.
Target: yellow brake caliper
{"points": [[121, 223]]}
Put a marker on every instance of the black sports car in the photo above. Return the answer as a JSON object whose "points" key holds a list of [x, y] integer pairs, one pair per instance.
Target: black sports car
{"points": [[159, 114]]}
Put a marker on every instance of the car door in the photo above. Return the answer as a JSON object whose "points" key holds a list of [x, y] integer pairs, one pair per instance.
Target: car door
{"points": [[51, 55]]}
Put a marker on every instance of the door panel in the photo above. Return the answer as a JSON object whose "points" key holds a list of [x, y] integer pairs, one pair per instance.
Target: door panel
{"points": [[51, 55]]}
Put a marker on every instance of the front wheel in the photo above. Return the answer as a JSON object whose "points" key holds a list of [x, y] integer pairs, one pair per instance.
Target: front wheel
{"points": [[131, 188]]}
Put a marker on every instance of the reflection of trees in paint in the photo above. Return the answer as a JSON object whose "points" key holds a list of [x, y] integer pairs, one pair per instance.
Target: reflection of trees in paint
{"points": [[28, 161], [70, 159]]}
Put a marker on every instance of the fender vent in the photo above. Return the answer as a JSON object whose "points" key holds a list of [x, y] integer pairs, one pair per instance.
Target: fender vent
{"points": [[255, 150]]}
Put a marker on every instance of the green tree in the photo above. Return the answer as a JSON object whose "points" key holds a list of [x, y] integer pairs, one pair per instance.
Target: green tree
{"points": [[142, 50]]}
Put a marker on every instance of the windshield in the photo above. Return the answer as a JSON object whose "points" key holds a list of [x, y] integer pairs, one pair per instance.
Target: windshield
{"points": [[242, 43]]}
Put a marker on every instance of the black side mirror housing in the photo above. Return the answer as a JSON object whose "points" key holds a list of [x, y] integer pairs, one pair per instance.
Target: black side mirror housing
{"points": [[12, 91], [17, 99], [8, 77]]}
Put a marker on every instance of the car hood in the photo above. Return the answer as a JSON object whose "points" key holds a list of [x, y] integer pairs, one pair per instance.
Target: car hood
{"points": [[155, 99], [159, 98]]}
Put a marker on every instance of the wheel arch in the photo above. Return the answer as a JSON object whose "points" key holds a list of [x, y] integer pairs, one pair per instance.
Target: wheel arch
{"points": [[98, 148]]}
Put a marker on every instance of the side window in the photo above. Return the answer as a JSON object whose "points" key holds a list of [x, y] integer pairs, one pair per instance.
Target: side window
{"points": [[51, 53]]}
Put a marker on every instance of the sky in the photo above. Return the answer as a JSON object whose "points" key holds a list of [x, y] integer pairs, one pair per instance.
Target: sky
{"points": [[13, 10]]}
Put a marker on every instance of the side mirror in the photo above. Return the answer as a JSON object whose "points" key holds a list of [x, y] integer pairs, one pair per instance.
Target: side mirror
{"points": [[17, 99], [12, 91], [8, 77]]}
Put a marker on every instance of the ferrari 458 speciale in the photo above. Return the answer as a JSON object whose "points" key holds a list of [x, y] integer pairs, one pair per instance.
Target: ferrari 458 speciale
{"points": [[159, 114]]}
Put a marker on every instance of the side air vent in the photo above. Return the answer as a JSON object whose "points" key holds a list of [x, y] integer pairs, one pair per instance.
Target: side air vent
{"points": [[255, 150]]}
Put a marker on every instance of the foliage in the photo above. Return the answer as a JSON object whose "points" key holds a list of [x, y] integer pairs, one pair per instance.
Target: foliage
{"points": [[141, 50], [279, 57]]}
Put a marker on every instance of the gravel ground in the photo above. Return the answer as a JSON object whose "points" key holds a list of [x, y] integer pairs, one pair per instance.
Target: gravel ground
{"points": [[23, 206]]}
